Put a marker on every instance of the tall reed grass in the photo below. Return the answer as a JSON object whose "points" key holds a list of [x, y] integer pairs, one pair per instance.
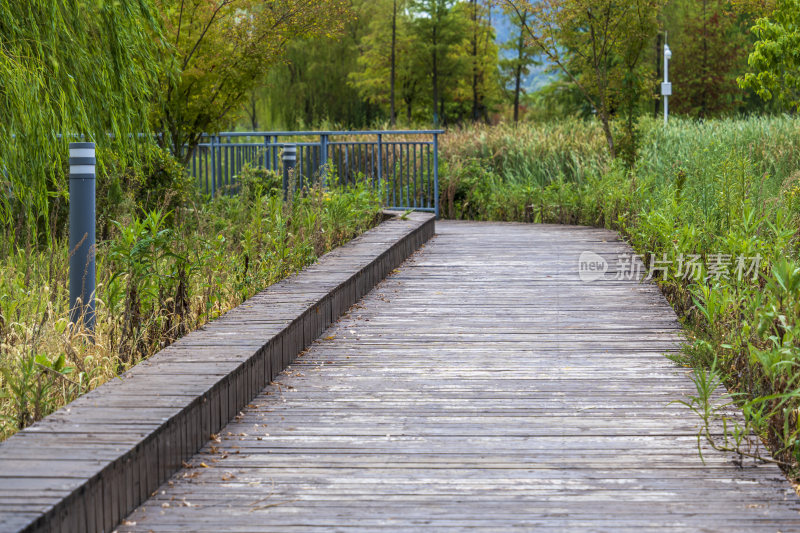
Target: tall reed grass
{"points": [[570, 150], [717, 190]]}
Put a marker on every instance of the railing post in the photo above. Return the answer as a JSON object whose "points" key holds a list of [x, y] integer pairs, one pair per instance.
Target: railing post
{"points": [[289, 157], [213, 148], [380, 161], [220, 163], [323, 158], [82, 247], [225, 162], [436, 174], [266, 152]]}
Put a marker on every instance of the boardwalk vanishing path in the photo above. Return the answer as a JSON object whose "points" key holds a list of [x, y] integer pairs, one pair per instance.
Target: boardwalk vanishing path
{"points": [[482, 386]]}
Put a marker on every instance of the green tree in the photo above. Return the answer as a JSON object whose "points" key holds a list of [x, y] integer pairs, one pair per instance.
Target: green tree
{"points": [[599, 45], [483, 59], [386, 53], [438, 29], [473, 85], [483, 56], [523, 58], [412, 78], [710, 50], [428, 52], [774, 61], [222, 49], [393, 67]]}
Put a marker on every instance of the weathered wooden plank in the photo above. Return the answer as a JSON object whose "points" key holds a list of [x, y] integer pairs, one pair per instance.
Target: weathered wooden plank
{"points": [[481, 386]]}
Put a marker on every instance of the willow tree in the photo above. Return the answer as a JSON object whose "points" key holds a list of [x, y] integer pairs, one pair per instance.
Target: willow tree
{"points": [[68, 68], [310, 86], [222, 50]]}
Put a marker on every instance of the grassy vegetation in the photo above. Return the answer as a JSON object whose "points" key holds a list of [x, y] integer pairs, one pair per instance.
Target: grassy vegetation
{"points": [[162, 270], [718, 190], [500, 173]]}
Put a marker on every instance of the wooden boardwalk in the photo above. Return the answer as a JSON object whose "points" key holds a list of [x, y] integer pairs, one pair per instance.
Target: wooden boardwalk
{"points": [[483, 386]]}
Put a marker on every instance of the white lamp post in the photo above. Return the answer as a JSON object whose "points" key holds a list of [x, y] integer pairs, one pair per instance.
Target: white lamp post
{"points": [[666, 87]]}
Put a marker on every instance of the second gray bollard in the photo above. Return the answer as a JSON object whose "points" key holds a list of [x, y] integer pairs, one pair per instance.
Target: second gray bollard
{"points": [[289, 163], [82, 233]]}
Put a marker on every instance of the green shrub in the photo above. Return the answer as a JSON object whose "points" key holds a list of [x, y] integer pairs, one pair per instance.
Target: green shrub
{"points": [[156, 182]]}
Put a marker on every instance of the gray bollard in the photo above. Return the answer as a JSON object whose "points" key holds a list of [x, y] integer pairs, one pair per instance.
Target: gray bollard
{"points": [[289, 163], [82, 233]]}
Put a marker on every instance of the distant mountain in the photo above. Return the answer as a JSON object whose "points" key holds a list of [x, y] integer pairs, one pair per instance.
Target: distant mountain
{"points": [[504, 32]]}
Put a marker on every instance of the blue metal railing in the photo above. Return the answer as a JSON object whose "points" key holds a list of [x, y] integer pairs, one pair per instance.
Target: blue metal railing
{"points": [[403, 165]]}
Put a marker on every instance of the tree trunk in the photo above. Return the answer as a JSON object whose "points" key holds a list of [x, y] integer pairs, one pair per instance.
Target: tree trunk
{"points": [[435, 77], [518, 70], [475, 103], [487, 39], [609, 136], [182, 148], [393, 118], [253, 114], [517, 82]]}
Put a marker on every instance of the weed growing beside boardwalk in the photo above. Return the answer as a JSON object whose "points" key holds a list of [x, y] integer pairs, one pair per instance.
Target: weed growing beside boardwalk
{"points": [[724, 195], [161, 273]]}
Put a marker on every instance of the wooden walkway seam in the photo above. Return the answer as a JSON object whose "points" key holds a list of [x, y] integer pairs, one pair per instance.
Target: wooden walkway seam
{"points": [[88, 465]]}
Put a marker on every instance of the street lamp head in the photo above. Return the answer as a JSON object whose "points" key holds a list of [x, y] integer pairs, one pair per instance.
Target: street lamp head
{"points": [[667, 52]]}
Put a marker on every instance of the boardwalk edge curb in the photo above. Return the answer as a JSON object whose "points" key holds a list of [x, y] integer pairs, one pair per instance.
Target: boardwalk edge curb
{"points": [[84, 468]]}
